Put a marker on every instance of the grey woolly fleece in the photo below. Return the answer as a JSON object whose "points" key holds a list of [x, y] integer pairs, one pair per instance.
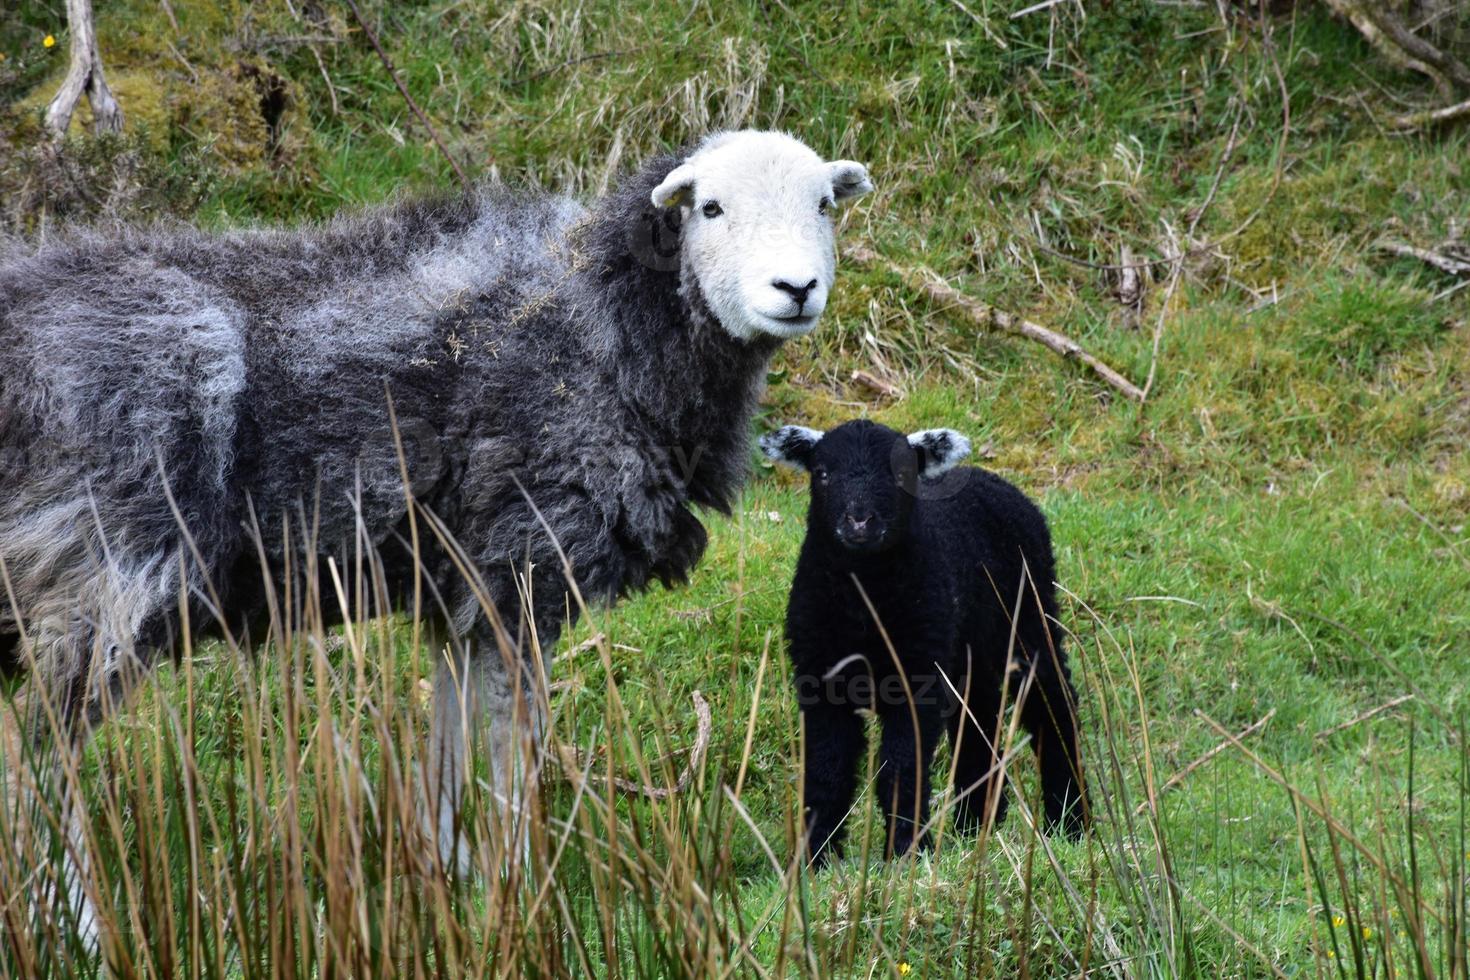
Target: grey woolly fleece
{"points": [[153, 377]]}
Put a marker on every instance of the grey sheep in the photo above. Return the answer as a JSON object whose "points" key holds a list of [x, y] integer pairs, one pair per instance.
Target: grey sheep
{"points": [[594, 369]]}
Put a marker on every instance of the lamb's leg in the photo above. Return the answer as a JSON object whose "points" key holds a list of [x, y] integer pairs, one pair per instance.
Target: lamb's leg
{"points": [[974, 735], [906, 753], [835, 745], [1049, 712]]}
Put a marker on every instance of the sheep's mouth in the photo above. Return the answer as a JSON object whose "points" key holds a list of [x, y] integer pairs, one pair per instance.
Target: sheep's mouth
{"points": [[792, 325]]}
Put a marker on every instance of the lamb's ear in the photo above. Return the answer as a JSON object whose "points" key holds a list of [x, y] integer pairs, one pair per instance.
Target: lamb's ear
{"points": [[677, 188], [792, 445], [849, 180], [940, 450]]}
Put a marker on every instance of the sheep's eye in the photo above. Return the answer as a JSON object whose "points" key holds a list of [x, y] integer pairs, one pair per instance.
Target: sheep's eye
{"points": [[820, 473], [824, 205], [712, 209]]}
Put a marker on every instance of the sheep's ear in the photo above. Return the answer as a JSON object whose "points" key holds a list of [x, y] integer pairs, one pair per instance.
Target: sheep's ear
{"points": [[792, 445], [677, 188], [849, 180], [940, 450]]}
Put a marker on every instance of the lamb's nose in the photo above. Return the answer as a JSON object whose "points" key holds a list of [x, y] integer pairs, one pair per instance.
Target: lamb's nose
{"points": [[859, 524], [798, 293]]}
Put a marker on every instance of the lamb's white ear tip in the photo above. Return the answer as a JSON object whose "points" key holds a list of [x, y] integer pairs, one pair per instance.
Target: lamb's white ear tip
{"points": [[790, 444], [944, 448]]}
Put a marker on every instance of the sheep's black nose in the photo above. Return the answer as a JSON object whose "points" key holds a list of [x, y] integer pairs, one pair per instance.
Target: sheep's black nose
{"points": [[859, 523], [798, 293]]}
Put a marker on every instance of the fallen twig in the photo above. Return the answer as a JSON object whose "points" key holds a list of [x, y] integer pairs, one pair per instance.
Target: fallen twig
{"points": [[1043, 5], [1382, 29], [1364, 716], [403, 90], [1432, 117], [1455, 265], [1183, 774], [877, 385], [575, 763], [591, 643], [998, 320]]}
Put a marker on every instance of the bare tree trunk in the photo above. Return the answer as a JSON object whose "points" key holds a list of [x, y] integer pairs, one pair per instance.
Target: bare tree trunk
{"points": [[83, 75]]}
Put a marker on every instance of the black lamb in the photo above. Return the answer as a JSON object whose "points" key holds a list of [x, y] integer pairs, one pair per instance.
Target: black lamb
{"points": [[923, 593]]}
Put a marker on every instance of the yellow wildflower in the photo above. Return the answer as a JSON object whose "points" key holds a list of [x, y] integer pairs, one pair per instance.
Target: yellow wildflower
{"points": [[1367, 933], [1337, 920], [1331, 955], [904, 969], [49, 41]]}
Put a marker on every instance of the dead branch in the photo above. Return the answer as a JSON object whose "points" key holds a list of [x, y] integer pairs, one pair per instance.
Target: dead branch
{"points": [[1415, 46], [875, 384], [1384, 29], [999, 321], [1455, 265], [83, 75], [1364, 716], [1367, 24], [576, 765], [1430, 118], [1183, 774]]}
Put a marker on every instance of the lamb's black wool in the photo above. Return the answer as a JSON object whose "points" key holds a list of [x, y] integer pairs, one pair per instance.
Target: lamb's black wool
{"points": [[946, 560]]}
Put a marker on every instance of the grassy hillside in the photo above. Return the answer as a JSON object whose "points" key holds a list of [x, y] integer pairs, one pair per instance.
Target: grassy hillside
{"points": [[1279, 532]]}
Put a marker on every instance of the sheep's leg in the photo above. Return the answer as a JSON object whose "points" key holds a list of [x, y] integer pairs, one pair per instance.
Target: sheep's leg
{"points": [[979, 785], [38, 791], [835, 744], [907, 750], [1049, 712], [36, 771], [45, 734], [479, 705], [486, 698]]}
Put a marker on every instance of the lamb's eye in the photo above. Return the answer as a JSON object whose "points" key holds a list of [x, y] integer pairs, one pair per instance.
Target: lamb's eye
{"points": [[820, 473], [824, 205], [712, 209]]}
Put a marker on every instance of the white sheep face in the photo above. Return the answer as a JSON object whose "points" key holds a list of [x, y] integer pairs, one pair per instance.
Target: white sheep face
{"points": [[757, 228]]}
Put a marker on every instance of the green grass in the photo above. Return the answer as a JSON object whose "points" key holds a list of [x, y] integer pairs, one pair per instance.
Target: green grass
{"points": [[1280, 531]]}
